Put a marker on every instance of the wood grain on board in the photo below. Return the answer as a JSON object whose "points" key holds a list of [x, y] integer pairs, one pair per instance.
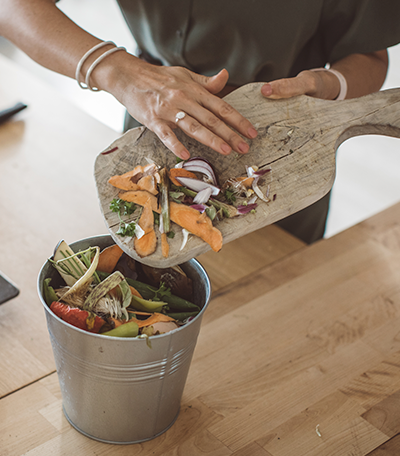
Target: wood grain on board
{"points": [[297, 139]]}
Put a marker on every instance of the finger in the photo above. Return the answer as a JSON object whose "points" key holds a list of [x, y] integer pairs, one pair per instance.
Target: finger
{"points": [[218, 115], [213, 84], [169, 139], [285, 88], [204, 135], [213, 127]]}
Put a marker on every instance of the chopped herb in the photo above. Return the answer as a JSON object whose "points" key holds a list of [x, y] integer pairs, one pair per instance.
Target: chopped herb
{"points": [[176, 196], [122, 207], [126, 229], [230, 197], [171, 234], [211, 212], [161, 292]]}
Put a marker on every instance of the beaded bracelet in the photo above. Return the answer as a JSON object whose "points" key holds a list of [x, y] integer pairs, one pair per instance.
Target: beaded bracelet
{"points": [[342, 81], [94, 64]]}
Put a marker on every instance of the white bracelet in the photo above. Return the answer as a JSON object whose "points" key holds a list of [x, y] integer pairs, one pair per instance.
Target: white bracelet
{"points": [[83, 59], [95, 63], [342, 81]]}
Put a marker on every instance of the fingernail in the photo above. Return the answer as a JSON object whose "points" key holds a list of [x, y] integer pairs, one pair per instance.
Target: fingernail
{"points": [[252, 132], [266, 90], [226, 149], [184, 155], [243, 147]]}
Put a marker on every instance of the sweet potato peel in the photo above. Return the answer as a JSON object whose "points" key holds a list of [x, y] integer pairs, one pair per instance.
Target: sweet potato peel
{"points": [[153, 318], [109, 257], [185, 216], [147, 244], [179, 172], [164, 245], [139, 178]]}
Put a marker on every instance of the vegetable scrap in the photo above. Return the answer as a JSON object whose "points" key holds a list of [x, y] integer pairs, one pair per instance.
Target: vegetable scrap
{"points": [[106, 292], [188, 195]]}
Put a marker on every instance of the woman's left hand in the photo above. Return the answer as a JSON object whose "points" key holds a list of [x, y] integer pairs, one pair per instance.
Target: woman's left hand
{"points": [[364, 74]]}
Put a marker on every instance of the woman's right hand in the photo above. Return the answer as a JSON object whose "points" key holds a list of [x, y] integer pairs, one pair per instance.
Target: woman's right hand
{"points": [[154, 95]]}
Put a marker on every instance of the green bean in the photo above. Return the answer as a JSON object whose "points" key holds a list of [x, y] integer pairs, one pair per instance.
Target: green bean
{"points": [[174, 302], [147, 306], [148, 292], [180, 316], [129, 329], [48, 292]]}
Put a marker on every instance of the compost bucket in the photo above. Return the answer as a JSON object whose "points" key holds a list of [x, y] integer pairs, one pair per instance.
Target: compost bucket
{"points": [[121, 390]]}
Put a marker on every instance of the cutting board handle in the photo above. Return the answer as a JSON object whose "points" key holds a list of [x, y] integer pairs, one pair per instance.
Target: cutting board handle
{"points": [[377, 113]]}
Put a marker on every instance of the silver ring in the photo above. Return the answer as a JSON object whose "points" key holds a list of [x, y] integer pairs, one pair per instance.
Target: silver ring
{"points": [[180, 115]]}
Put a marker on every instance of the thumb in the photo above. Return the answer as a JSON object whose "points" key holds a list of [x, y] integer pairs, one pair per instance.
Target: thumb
{"points": [[213, 84], [283, 88]]}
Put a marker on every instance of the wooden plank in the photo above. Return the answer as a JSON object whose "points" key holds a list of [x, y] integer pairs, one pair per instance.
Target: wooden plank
{"points": [[333, 425], [275, 406], [247, 255], [200, 444], [386, 339], [376, 384], [251, 450], [385, 415], [22, 427], [389, 448]]}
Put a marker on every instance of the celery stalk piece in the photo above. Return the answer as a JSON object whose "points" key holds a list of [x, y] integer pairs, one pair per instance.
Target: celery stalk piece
{"points": [[87, 278], [68, 264], [164, 188]]}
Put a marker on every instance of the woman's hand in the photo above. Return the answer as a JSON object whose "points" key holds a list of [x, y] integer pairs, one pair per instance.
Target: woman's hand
{"points": [[154, 95], [364, 73], [318, 84]]}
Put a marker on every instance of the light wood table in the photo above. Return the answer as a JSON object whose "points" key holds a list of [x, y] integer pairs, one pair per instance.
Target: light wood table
{"points": [[299, 351]]}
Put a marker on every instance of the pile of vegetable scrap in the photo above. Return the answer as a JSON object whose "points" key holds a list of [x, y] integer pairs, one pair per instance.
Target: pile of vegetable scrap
{"points": [[189, 195], [107, 292]]}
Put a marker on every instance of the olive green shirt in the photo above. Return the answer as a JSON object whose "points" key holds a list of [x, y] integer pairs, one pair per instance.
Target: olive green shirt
{"points": [[260, 40]]}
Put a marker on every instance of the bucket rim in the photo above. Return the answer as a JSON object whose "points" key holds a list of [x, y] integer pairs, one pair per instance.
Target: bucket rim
{"points": [[108, 237]]}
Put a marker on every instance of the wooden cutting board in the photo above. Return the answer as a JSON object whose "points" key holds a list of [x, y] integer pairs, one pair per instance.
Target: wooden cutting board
{"points": [[298, 139]]}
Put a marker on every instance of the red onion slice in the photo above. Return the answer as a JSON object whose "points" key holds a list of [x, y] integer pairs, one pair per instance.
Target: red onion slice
{"points": [[260, 172], [197, 185], [200, 165], [257, 190], [185, 234], [252, 200], [203, 196], [199, 207], [246, 209]]}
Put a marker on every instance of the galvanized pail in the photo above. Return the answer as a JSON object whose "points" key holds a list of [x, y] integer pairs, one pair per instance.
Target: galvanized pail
{"points": [[119, 390]]}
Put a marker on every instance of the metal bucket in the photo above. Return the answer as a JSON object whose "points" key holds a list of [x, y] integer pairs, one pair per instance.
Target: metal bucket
{"points": [[119, 390]]}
